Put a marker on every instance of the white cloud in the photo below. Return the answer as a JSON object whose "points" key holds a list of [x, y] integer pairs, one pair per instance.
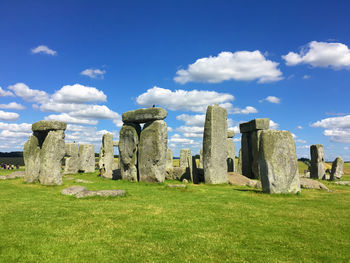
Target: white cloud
{"points": [[7, 134], [246, 110], [321, 54], [78, 94], [177, 139], [93, 73], [170, 129], [303, 147], [96, 112], [12, 105], [191, 131], [337, 128], [69, 119], [192, 120], [43, 49], [240, 65], [8, 116], [346, 148], [271, 99], [273, 125], [194, 100], [5, 93], [300, 127], [300, 141], [23, 91], [22, 127], [306, 76]]}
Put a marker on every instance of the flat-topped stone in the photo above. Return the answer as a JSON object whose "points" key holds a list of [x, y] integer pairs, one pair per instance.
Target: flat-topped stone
{"points": [[256, 124], [144, 115], [49, 125], [230, 134]]}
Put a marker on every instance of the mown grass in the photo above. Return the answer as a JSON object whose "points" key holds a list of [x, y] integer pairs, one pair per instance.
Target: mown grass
{"points": [[153, 223]]}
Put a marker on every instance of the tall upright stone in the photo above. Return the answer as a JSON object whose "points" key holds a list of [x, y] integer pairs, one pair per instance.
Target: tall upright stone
{"points": [[128, 151], [87, 158], [239, 164], [44, 151], [214, 145], [231, 154], [317, 169], [169, 159], [188, 162], [250, 145], [152, 152], [337, 168], [106, 156], [72, 160], [185, 158], [200, 163], [277, 162]]}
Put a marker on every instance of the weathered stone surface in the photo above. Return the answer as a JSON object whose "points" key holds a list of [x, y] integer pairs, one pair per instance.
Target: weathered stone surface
{"points": [[144, 115], [14, 175], [48, 126], [278, 163], [238, 179], [250, 154], [317, 169], [31, 155], [231, 154], [230, 134], [106, 156], [51, 155], [87, 158], [214, 145], [312, 184], [128, 147], [185, 158], [152, 152], [200, 163], [253, 125], [104, 193], [189, 162], [72, 163], [169, 158], [343, 182], [73, 190], [239, 164], [337, 168]]}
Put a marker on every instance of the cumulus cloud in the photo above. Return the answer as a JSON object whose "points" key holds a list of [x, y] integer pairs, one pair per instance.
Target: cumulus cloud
{"points": [[177, 139], [192, 120], [8, 116], [306, 76], [246, 110], [273, 125], [22, 127], [300, 127], [321, 54], [337, 128], [191, 131], [240, 65], [5, 93], [93, 73], [78, 94], [69, 119], [96, 112], [44, 50], [13, 106], [194, 100], [28, 94], [271, 99]]}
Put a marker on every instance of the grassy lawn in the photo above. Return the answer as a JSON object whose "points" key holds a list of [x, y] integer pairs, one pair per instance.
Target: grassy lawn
{"points": [[152, 223]]}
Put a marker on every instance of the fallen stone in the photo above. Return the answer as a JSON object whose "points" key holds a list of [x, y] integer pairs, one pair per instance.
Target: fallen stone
{"points": [[176, 186], [253, 125], [83, 181], [337, 168], [312, 184], [48, 126], [343, 182], [14, 175], [238, 179], [73, 190], [144, 115], [104, 193], [317, 167]]}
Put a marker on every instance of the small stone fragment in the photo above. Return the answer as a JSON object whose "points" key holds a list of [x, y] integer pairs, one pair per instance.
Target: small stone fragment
{"points": [[312, 184], [73, 190]]}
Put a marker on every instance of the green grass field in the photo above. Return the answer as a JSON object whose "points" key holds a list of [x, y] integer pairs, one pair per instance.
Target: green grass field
{"points": [[153, 223]]}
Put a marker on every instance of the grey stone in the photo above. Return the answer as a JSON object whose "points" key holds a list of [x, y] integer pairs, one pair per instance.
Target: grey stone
{"points": [[200, 163], [14, 175], [185, 158], [250, 153], [239, 163], [106, 156], [73, 190], [317, 169], [337, 168], [312, 184], [87, 158], [254, 125], [152, 152], [169, 158], [238, 179], [72, 162], [214, 145], [51, 154], [343, 182], [180, 173], [189, 162], [144, 115], [104, 193], [31, 155], [48, 126], [128, 147], [230, 134], [278, 163], [231, 154]]}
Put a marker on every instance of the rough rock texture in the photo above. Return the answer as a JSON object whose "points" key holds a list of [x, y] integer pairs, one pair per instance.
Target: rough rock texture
{"points": [[230, 134], [337, 168], [189, 162], [106, 156], [73, 190], [317, 169], [14, 175], [128, 147], [278, 163], [48, 126], [343, 182], [230, 145], [200, 163], [239, 164], [169, 158], [214, 145], [238, 179], [185, 158], [144, 115], [312, 184], [31, 155], [152, 152], [72, 161], [105, 193], [253, 125], [87, 158]]}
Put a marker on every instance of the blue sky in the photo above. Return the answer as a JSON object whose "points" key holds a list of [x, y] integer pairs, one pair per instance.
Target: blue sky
{"points": [[87, 62]]}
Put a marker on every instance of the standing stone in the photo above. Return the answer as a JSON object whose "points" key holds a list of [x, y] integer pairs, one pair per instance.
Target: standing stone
{"points": [[200, 163], [106, 156], [231, 154], [337, 168], [278, 163], [31, 154], [128, 147], [214, 145], [72, 161], [250, 146], [317, 169], [239, 164], [185, 159], [152, 152], [188, 162], [87, 158], [169, 159]]}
